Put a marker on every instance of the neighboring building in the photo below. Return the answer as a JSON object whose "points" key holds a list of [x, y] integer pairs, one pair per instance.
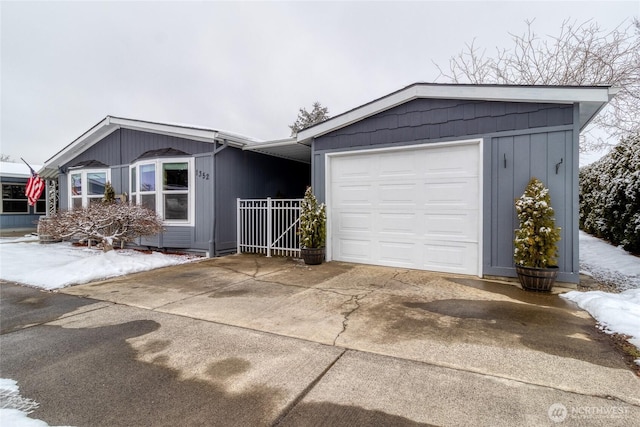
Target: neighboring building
{"points": [[424, 178], [190, 176], [15, 212]]}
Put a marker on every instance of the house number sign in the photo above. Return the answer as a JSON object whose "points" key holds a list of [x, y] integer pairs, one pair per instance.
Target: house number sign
{"points": [[203, 175]]}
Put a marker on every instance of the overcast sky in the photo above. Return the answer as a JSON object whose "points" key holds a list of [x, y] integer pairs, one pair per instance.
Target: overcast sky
{"points": [[245, 67]]}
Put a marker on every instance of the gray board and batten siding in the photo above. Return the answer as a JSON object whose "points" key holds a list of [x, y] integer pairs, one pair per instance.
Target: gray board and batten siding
{"points": [[520, 140], [222, 174]]}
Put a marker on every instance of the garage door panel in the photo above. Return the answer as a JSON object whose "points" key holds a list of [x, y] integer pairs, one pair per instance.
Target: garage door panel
{"points": [[401, 223], [415, 208], [354, 195], [451, 194], [354, 221], [350, 169], [399, 254], [450, 161], [397, 194], [450, 257], [459, 226], [396, 165], [354, 250]]}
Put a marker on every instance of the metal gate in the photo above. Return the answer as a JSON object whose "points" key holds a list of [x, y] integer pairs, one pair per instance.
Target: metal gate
{"points": [[269, 226]]}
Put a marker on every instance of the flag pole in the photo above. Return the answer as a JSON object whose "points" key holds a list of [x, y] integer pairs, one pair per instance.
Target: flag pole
{"points": [[28, 165]]}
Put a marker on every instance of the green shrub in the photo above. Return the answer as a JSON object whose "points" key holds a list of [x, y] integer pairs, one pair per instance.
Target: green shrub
{"points": [[536, 239], [610, 195], [313, 221]]}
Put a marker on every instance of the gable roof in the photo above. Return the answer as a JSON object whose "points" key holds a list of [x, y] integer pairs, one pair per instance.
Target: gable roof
{"points": [[111, 123], [590, 98]]}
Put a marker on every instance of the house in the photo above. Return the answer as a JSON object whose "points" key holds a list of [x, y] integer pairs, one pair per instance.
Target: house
{"points": [[426, 177], [190, 176], [15, 212]]}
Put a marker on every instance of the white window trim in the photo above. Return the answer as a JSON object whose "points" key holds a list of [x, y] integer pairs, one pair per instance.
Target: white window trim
{"points": [[159, 190], [83, 176]]}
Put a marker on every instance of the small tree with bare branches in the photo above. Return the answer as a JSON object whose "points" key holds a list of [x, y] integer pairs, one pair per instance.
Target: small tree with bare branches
{"points": [[581, 54], [106, 223]]}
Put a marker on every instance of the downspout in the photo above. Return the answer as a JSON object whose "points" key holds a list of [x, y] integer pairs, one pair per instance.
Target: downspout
{"points": [[212, 242]]}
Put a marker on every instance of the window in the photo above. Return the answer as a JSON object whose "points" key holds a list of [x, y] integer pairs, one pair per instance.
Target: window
{"points": [[15, 201], [86, 186], [41, 203], [164, 186]]}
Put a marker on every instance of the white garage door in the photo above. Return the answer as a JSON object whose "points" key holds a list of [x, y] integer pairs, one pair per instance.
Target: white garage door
{"points": [[415, 208]]}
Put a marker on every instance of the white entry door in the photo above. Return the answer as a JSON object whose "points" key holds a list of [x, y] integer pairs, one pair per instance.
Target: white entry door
{"points": [[417, 207]]}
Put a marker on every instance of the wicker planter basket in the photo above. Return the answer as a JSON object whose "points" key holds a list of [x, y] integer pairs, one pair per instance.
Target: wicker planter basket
{"points": [[312, 256], [537, 279]]}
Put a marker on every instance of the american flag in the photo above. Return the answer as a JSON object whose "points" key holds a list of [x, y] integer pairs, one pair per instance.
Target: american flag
{"points": [[35, 187]]}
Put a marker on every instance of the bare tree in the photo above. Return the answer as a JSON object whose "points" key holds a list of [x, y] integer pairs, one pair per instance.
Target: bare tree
{"points": [[5, 158], [581, 54], [306, 119]]}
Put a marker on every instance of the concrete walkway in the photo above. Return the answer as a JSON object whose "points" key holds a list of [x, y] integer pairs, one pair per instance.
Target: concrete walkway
{"points": [[346, 344]]}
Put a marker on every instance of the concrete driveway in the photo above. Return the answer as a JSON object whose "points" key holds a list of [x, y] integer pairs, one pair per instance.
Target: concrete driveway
{"points": [[270, 340]]}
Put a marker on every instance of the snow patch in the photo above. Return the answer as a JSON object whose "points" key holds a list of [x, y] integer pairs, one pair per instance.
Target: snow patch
{"points": [[608, 264], [15, 408], [616, 313], [57, 265]]}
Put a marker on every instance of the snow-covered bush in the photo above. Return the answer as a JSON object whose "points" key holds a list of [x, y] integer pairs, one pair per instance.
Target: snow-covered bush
{"points": [[105, 223], [536, 239], [610, 196], [313, 219]]}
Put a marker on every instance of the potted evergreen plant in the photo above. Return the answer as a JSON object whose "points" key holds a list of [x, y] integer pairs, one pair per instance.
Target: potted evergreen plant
{"points": [[535, 244], [312, 231]]}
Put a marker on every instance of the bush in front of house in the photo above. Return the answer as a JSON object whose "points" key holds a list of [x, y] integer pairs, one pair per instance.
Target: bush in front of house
{"points": [[105, 223], [610, 196], [313, 221], [535, 243]]}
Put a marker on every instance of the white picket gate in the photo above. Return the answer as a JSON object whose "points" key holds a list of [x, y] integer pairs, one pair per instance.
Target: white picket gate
{"points": [[269, 226]]}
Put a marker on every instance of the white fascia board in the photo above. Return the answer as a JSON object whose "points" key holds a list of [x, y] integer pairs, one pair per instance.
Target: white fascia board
{"points": [[194, 133], [358, 114], [110, 124], [80, 144], [270, 144], [538, 94]]}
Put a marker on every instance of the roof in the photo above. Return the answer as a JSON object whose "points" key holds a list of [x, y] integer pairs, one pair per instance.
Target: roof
{"points": [[16, 170], [162, 152], [110, 124], [288, 148], [590, 98]]}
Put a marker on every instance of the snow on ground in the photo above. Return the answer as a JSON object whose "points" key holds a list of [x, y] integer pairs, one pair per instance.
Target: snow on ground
{"points": [[616, 313], [15, 408], [53, 266], [608, 264], [57, 265]]}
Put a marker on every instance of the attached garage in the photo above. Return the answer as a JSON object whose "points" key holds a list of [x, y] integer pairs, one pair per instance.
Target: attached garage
{"points": [[426, 177], [416, 207]]}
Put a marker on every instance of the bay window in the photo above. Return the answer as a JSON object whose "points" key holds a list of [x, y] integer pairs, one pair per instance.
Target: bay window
{"points": [[86, 186], [165, 186]]}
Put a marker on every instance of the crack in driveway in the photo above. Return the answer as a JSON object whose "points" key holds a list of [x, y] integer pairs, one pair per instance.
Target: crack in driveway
{"points": [[345, 321]]}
